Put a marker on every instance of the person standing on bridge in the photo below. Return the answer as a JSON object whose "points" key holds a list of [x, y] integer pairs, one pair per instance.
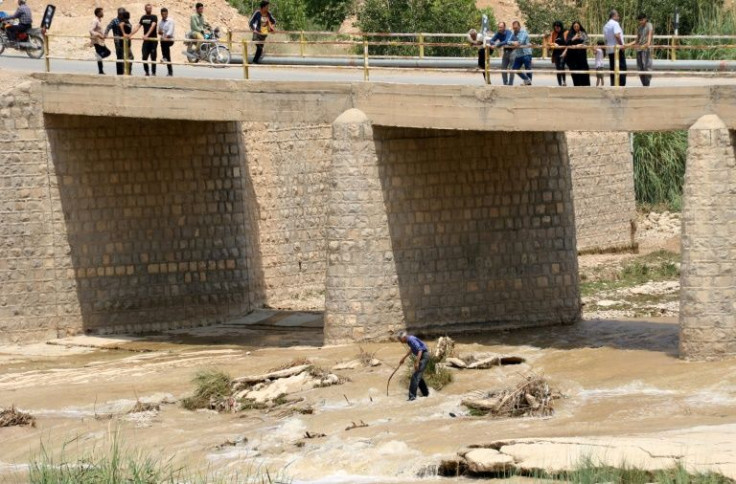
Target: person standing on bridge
{"points": [[643, 43], [522, 53], [421, 359], [576, 55], [614, 36], [501, 40], [557, 40], [477, 40], [166, 34], [261, 23], [150, 42], [115, 26], [97, 37]]}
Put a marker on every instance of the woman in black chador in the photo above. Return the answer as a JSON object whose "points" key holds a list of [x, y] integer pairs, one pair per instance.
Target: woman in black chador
{"points": [[576, 54]]}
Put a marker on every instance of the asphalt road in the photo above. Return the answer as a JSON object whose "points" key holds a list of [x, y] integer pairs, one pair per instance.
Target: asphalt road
{"points": [[12, 61]]}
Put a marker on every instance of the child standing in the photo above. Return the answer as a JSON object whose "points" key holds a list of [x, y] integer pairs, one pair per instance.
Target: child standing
{"points": [[599, 63]]}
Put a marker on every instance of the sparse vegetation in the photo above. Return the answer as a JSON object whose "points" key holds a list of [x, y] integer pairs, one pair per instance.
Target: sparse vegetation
{"points": [[661, 265], [211, 384], [119, 464], [590, 472], [436, 375]]}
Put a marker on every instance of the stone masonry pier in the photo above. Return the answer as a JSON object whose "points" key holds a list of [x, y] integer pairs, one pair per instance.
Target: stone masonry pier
{"points": [[143, 204]]}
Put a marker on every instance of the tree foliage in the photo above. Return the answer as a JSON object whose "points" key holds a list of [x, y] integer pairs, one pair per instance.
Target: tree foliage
{"points": [[408, 16]]}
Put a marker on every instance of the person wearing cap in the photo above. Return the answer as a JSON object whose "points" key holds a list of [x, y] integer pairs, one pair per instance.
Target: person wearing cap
{"points": [[261, 23], [421, 359]]}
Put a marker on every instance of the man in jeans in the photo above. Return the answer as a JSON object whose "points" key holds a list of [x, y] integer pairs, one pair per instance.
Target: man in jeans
{"points": [[166, 33], [25, 20], [615, 36], [117, 32], [500, 40], [644, 35], [421, 359], [150, 43], [522, 55]]}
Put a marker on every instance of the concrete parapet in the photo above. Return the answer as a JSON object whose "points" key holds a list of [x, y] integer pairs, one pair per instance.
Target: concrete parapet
{"points": [[708, 281]]}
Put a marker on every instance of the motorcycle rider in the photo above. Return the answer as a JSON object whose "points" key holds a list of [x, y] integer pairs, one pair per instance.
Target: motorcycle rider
{"points": [[23, 14], [198, 26]]}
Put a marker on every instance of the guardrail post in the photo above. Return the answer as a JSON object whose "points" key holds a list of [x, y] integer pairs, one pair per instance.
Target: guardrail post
{"points": [[230, 40], [127, 68], [674, 47], [365, 60], [46, 52], [487, 66], [421, 46], [616, 66], [301, 43], [246, 72], [544, 48]]}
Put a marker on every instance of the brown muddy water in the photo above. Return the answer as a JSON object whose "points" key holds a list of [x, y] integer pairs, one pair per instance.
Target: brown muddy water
{"points": [[619, 378]]}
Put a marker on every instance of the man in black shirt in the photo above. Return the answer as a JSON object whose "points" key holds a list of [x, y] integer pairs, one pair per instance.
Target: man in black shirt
{"points": [[150, 42]]}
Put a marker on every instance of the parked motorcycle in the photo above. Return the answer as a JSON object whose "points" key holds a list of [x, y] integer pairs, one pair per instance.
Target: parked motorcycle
{"points": [[210, 50], [31, 42]]}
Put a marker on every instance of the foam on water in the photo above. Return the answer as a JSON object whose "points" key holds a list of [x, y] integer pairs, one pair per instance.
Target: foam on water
{"points": [[636, 387]]}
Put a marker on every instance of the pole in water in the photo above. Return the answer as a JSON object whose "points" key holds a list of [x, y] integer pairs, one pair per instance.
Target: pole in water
{"points": [[389, 378]]}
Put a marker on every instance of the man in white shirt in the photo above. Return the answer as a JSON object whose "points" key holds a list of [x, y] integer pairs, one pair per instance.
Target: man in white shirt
{"points": [[615, 36], [166, 33]]}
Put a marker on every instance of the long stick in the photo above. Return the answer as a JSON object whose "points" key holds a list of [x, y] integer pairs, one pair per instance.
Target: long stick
{"points": [[392, 375]]}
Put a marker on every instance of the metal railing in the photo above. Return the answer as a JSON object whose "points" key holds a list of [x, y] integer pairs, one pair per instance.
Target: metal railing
{"points": [[357, 49]]}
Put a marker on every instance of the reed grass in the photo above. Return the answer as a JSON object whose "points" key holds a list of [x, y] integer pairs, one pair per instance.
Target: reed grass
{"points": [[659, 168]]}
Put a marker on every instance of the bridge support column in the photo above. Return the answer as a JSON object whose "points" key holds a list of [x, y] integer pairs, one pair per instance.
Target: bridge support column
{"points": [[708, 293], [361, 295]]}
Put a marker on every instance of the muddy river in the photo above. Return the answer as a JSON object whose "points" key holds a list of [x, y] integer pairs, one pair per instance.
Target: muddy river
{"points": [[619, 378]]}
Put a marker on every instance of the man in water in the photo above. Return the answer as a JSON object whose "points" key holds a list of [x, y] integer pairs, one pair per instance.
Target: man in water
{"points": [[421, 359]]}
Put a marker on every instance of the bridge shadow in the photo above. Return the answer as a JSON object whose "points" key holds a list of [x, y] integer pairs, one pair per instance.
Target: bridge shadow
{"points": [[159, 224]]}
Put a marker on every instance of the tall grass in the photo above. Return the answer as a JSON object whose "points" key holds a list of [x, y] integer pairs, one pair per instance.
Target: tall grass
{"points": [[589, 472], [119, 464], [712, 20], [659, 168]]}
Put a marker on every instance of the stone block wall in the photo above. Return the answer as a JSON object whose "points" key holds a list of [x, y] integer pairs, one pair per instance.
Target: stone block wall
{"points": [[602, 169], [154, 217], [472, 230], [31, 296], [708, 280], [287, 168]]}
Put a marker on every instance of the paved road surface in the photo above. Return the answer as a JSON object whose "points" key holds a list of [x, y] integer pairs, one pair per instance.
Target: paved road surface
{"points": [[412, 76]]}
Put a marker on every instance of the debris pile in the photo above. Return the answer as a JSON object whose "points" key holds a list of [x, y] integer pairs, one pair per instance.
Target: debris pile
{"points": [[533, 397], [364, 359], [217, 391], [11, 417], [482, 361]]}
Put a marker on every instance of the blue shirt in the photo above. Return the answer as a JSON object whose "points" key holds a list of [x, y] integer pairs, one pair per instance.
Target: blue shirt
{"points": [[523, 39], [415, 344], [500, 39]]}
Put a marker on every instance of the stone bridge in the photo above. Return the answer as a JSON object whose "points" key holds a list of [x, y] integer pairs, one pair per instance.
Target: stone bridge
{"points": [[133, 205]]}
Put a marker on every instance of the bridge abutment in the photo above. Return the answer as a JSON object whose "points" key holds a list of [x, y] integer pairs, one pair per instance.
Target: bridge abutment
{"points": [[708, 281]]}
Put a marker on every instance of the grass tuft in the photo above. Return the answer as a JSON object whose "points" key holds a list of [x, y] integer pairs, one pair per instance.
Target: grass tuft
{"points": [[211, 384], [436, 375]]}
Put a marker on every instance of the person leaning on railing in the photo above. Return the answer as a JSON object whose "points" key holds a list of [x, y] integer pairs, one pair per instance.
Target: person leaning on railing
{"points": [[522, 53], [501, 40], [115, 26], [477, 40], [643, 43], [557, 41], [261, 23], [97, 39]]}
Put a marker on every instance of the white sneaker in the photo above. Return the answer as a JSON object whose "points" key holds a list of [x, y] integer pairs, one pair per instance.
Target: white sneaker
{"points": [[527, 82]]}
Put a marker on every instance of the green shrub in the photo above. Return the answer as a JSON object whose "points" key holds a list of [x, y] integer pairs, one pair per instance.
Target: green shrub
{"points": [[659, 168], [436, 376]]}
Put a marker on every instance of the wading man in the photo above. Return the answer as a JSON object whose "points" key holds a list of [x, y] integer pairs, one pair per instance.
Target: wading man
{"points": [[421, 358]]}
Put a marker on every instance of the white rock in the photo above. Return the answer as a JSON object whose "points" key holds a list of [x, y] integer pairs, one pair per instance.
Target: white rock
{"points": [[348, 365], [456, 362], [488, 460], [375, 362]]}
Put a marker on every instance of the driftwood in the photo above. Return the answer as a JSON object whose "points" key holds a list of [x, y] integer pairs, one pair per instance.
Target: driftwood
{"points": [[274, 375], [532, 397], [315, 435], [353, 425], [11, 417], [471, 362]]}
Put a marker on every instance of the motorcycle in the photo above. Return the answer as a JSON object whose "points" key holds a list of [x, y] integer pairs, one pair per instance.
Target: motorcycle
{"points": [[210, 49], [31, 41]]}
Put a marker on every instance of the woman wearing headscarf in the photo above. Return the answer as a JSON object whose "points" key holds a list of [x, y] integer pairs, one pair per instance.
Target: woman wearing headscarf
{"points": [[557, 42], [576, 54]]}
